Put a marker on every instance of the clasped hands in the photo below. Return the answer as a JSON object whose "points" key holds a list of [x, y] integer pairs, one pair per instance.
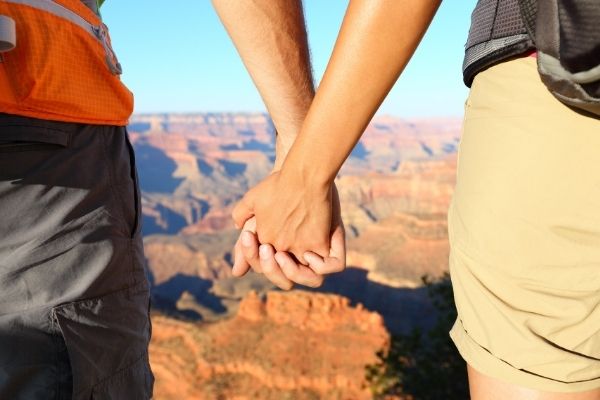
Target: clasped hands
{"points": [[292, 231]]}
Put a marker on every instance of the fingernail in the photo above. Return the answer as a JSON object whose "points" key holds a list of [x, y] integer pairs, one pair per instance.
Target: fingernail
{"points": [[247, 238], [263, 250]]}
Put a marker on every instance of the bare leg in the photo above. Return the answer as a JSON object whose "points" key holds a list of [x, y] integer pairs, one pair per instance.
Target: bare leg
{"points": [[483, 387]]}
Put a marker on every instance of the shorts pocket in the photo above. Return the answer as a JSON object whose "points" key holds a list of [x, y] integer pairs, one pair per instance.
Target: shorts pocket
{"points": [[107, 342], [20, 138], [120, 157], [137, 199], [134, 382]]}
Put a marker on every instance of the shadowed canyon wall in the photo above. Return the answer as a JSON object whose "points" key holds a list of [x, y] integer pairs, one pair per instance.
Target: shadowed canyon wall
{"points": [[216, 335]]}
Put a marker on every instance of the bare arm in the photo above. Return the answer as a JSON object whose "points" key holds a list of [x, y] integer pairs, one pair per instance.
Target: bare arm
{"points": [[270, 37], [376, 41]]}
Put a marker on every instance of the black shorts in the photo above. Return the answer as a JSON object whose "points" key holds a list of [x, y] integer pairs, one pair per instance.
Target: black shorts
{"points": [[74, 295]]}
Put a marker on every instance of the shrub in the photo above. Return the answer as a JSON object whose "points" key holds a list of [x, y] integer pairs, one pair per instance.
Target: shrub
{"points": [[423, 365]]}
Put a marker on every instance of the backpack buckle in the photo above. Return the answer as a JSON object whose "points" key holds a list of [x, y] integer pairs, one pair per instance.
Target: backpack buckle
{"points": [[101, 33], [8, 34]]}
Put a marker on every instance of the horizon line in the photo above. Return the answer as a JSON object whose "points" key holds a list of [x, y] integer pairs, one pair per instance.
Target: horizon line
{"points": [[381, 115]]}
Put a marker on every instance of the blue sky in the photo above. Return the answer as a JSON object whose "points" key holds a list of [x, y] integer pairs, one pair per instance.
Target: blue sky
{"points": [[177, 57]]}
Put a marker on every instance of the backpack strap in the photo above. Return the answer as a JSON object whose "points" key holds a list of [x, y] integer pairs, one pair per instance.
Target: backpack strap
{"points": [[529, 15], [567, 40], [93, 5]]}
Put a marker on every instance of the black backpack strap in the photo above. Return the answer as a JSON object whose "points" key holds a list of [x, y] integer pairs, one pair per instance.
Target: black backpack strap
{"points": [[567, 38]]}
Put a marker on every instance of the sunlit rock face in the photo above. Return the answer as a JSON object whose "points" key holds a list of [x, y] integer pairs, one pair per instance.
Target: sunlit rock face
{"points": [[295, 345], [224, 337], [395, 190]]}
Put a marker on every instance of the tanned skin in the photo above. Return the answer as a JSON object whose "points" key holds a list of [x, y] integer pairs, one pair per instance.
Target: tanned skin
{"points": [[296, 209], [293, 206], [271, 39]]}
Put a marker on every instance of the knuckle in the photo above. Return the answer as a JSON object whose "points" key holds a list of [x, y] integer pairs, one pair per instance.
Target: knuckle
{"points": [[317, 281], [317, 284]]}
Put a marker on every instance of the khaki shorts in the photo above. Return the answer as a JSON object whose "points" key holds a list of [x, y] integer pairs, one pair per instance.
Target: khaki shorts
{"points": [[524, 230]]}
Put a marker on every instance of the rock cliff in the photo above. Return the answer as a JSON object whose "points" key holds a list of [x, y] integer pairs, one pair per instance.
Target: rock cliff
{"points": [[291, 345]]}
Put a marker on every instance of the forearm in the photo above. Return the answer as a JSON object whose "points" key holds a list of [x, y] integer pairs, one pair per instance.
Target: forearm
{"points": [[270, 36], [376, 41]]}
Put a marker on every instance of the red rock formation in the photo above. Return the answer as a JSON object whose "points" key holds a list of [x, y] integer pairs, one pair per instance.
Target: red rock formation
{"points": [[212, 222], [199, 144], [201, 256], [400, 248], [296, 345]]}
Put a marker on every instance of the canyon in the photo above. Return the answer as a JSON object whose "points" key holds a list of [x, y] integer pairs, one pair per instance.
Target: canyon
{"points": [[291, 345], [214, 334]]}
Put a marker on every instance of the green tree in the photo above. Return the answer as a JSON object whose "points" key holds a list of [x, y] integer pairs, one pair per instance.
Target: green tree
{"points": [[423, 365]]}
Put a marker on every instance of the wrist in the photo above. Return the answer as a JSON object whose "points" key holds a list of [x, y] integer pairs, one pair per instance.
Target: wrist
{"points": [[283, 144], [306, 171]]}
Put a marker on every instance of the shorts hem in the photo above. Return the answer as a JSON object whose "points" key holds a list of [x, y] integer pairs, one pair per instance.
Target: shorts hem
{"points": [[486, 363]]}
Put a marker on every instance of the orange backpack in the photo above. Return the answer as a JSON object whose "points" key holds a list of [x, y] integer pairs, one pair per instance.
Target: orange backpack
{"points": [[62, 66]]}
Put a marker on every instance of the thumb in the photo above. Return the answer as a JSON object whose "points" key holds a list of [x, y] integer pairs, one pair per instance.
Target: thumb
{"points": [[243, 211]]}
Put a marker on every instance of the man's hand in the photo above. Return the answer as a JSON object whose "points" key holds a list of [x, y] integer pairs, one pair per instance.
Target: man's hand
{"points": [[279, 267], [270, 36]]}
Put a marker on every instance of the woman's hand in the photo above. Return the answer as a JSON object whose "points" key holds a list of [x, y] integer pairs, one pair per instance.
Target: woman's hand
{"points": [[291, 214], [279, 267]]}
